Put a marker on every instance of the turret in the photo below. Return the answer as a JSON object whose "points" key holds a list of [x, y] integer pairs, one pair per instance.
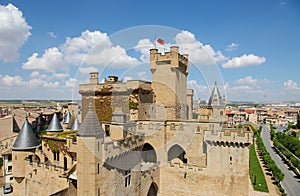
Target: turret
{"points": [[90, 138], [23, 149], [55, 125], [75, 126], [67, 118], [169, 72]]}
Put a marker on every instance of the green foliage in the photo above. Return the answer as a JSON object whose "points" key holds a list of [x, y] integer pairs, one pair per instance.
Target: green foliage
{"points": [[256, 174], [273, 133], [133, 105], [276, 172], [290, 142], [285, 152]]}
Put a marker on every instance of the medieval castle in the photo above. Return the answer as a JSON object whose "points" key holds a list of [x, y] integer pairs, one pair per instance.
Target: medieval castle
{"points": [[136, 138]]}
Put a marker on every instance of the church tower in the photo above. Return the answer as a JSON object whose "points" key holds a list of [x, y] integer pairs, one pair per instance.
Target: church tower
{"points": [[217, 103], [90, 137], [169, 75]]}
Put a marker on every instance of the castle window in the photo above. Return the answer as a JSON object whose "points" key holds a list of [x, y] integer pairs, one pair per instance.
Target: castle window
{"points": [[221, 113], [54, 156], [9, 168], [98, 169], [98, 146], [230, 159], [16, 158], [57, 156], [107, 130], [98, 192], [127, 178]]}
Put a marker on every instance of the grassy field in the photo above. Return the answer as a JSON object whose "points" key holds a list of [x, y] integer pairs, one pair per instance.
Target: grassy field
{"points": [[256, 174]]}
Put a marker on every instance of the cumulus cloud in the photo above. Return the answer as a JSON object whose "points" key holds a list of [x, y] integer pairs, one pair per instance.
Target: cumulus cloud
{"points": [[14, 32], [51, 60], [144, 45], [244, 61], [90, 48], [86, 70], [8, 80], [199, 53], [246, 80], [291, 85], [70, 83], [200, 91], [232, 46], [37, 80]]}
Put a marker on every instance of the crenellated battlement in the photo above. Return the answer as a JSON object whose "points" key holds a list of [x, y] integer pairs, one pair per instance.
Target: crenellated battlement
{"points": [[229, 138], [173, 58]]}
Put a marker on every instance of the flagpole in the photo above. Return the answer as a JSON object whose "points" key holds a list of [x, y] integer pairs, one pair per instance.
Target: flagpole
{"points": [[155, 41]]}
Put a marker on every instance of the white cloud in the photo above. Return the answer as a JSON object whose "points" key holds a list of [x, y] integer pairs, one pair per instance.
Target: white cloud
{"points": [[291, 85], [144, 46], [90, 48], [126, 78], [8, 80], [246, 80], [37, 74], [232, 46], [38, 82], [87, 70], [60, 75], [70, 83], [52, 34], [14, 32], [51, 60], [200, 91], [244, 61], [199, 53]]}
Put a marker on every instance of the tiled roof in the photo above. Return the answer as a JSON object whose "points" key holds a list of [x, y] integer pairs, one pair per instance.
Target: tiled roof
{"points": [[55, 125], [26, 138], [90, 125], [75, 126], [67, 118]]}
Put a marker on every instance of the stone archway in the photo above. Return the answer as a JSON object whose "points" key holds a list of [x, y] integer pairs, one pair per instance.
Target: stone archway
{"points": [[176, 151], [153, 189], [148, 153]]}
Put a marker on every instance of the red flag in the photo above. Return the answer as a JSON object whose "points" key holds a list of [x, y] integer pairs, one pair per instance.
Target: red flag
{"points": [[160, 41]]}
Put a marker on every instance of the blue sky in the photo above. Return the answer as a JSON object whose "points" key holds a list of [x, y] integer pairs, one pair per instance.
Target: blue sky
{"points": [[254, 45]]}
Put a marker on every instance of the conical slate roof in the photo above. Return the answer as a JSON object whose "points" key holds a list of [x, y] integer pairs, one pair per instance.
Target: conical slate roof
{"points": [[90, 125], [55, 125], [26, 138], [216, 98], [67, 118], [75, 125]]}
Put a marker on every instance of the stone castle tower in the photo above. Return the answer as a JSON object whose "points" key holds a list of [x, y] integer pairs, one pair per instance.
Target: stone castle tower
{"points": [[90, 141], [24, 148], [169, 82]]}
